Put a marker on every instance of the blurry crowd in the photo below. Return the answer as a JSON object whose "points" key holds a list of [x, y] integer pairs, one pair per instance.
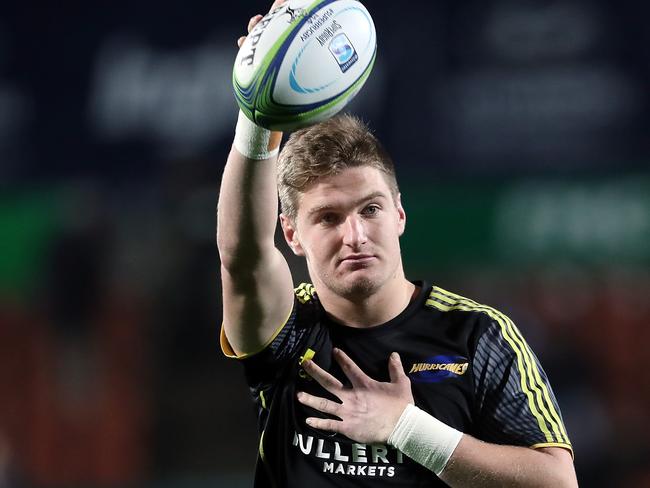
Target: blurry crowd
{"points": [[114, 126], [111, 373]]}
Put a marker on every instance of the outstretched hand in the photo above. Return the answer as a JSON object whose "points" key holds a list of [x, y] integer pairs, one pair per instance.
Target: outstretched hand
{"points": [[255, 19], [369, 410]]}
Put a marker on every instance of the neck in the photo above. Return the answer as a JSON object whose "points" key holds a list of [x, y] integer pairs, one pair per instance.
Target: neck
{"points": [[375, 309]]}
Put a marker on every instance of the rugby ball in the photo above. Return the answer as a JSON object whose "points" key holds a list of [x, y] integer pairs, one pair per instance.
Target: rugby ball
{"points": [[303, 62]]}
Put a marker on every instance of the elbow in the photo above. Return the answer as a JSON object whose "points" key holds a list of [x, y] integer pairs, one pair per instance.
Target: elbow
{"points": [[568, 479], [236, 252], [562, 469], [242, 250], [562, 480], [242, 262], [239, 262], [225, 244]]}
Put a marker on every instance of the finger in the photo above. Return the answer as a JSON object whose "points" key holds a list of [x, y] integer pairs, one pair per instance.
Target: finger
{"points": [[396, 369], [354, 373], [241, 40], [324, 379], [253, 21], [325, 424], [321, 404]]}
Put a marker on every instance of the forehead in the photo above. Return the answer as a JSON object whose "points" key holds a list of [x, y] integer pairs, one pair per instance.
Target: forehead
{"points": [[344, 188]]}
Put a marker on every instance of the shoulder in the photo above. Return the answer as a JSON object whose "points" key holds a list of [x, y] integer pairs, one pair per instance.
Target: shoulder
{"points": [[306, 301], [495, 340], [305, 293], [463, 308], [304, 313], [307, 309]]}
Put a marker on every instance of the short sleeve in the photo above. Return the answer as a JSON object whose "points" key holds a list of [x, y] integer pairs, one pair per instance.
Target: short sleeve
{"points": [[515, 404], [263, 365]]}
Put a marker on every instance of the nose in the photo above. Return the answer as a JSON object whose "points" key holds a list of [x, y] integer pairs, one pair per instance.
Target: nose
{"points": [[354, 232]]}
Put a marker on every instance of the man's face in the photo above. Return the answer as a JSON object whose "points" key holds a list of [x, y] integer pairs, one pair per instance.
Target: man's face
{"points": [[348, 227]]}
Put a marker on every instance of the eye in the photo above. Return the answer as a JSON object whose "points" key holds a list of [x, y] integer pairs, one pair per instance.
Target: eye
{"points": [[371, 210], [328, 218]]}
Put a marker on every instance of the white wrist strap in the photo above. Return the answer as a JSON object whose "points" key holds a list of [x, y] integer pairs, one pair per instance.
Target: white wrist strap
{"points": [[254, 141], [424, 438]]}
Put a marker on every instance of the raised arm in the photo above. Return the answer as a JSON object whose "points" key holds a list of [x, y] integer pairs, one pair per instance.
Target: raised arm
{"points": [[256, 281]]}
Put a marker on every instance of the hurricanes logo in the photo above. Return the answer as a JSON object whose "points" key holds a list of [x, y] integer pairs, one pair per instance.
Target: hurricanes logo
{"points": [[438, 368]]}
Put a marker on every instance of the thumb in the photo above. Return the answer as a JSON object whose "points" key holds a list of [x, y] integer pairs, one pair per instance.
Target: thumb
{"points": [[395, 369]]}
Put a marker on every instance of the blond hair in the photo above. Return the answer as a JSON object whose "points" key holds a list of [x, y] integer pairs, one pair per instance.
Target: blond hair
{"points": [[326, 149]]}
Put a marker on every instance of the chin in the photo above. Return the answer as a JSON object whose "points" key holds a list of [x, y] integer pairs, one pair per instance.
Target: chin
{"points": [[357, 287]]}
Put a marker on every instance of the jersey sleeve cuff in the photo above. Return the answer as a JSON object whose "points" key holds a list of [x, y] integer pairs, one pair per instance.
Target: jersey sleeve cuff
{"points": [[229, 352], [562, 445]]}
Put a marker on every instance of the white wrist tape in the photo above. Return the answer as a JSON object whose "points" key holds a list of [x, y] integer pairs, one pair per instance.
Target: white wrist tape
{"points": [[424, 438], [252, 140]]}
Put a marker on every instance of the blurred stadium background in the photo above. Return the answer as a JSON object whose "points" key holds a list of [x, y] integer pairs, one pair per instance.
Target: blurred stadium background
{"points": [[521, 132]]}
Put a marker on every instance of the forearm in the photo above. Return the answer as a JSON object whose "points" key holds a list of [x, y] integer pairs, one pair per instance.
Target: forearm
{"points": [[462, 460], [477, 463], [247, 209]]}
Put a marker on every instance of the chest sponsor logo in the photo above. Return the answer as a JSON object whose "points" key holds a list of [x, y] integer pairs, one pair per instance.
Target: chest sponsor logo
{"points": [[438, 368], [350, 459]]}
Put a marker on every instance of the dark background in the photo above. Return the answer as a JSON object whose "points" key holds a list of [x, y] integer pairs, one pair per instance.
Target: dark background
{"points": [[520, 130]]}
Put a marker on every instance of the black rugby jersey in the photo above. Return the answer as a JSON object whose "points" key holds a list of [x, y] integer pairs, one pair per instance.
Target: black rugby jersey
{"points": [[468, 364]]}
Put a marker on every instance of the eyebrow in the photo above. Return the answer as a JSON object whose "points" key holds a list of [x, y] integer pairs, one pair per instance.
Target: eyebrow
{"points": [[327, 206]]}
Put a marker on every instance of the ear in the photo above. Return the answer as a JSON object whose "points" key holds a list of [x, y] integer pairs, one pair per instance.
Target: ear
{"points": [[401, 224], [291, 235]]}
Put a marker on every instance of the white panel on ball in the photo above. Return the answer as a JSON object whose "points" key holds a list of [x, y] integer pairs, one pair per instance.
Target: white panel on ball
{"points": [[303, 62]]}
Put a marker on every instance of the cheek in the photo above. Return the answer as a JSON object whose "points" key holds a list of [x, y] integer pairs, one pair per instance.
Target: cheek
{"points": [[322, 247], [390, 235]]}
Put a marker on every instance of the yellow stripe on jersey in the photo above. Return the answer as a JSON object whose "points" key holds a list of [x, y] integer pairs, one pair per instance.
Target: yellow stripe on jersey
{"points": [[265, 461], [526, 364], [263, 399], [531, 401], [261, 447], [563, 437], [511, 332], [304, 292], [563, 445]]}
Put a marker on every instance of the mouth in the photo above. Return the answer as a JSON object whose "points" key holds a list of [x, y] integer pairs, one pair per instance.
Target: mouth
{"points": [[359, 259]]}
